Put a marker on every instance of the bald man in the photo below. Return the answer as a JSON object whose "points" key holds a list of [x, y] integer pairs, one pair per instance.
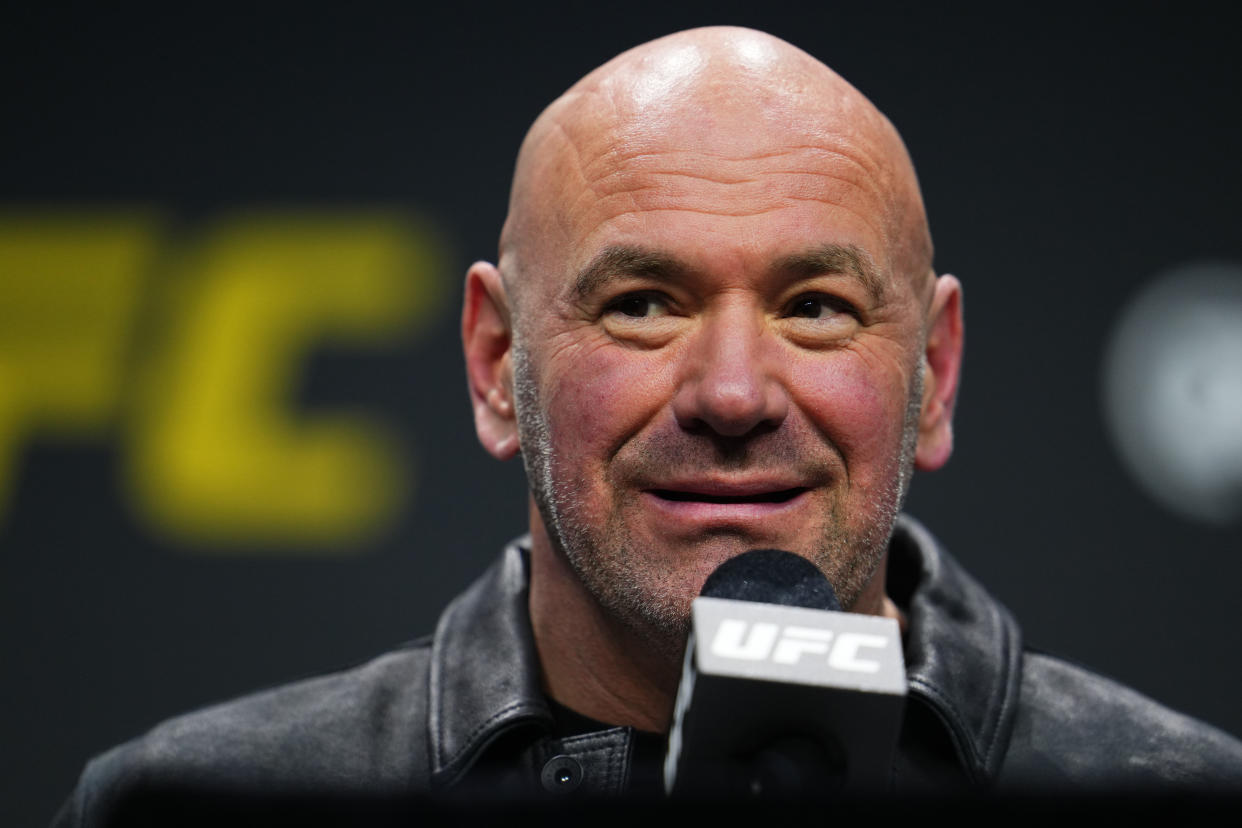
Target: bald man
{"points": [[714, 326]]}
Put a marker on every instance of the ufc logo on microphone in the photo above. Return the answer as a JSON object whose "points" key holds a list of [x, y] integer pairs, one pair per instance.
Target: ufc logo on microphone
{"points": [[787, 644]]}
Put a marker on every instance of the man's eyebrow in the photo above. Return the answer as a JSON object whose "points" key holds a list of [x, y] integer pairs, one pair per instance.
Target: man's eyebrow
{"points": [[623, 260], [837, 258]]}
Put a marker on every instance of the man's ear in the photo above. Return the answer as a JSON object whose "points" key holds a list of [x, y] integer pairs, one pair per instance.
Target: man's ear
{"points": [[487, 339], [942, 366]]}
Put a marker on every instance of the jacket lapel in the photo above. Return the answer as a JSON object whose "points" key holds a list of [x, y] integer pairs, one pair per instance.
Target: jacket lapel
{"points": [[484, 669], [963, 651]]}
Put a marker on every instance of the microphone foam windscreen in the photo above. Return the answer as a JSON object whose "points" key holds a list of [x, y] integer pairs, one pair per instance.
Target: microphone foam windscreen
{"points": [[772, 576]]}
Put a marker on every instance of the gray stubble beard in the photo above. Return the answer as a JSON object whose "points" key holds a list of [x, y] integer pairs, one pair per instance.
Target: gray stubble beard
{"points": [[850, 563]]}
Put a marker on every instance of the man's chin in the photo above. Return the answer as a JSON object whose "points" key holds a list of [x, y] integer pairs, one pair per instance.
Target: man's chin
{"points": [[689, 560], [651, 593]]}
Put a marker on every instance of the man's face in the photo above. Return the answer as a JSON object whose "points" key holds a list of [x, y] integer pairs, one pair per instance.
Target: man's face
{"points": [[714, 352]]}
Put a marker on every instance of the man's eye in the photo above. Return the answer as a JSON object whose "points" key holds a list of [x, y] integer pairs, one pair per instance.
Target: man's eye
{"points": [[818, 306], [639, 305]]}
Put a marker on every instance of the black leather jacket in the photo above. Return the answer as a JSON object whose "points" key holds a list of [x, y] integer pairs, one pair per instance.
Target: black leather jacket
{"points": [[460, 715]]}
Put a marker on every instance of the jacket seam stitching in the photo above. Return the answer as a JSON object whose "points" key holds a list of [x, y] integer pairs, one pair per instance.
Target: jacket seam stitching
{"points": [[487, 723], [961, 733], [994, 718], [1003, 678], [434, 679]]}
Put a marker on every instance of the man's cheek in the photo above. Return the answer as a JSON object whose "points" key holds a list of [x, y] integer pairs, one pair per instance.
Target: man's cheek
{"points": [[858, 411], [602, 401]]}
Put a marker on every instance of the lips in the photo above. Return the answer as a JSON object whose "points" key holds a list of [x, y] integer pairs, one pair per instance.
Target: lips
{"points": [[755, 496], [759, 508]]}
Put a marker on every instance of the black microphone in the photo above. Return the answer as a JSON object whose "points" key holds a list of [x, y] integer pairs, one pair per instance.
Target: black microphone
{"points": [[782, 694]]}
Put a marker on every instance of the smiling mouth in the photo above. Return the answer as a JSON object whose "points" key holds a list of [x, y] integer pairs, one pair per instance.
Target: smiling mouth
{"points": [[780, 496]]}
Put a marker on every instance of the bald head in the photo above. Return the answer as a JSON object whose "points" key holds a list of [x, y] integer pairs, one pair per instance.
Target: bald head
{"points": [[714, 327], [702, 103]]}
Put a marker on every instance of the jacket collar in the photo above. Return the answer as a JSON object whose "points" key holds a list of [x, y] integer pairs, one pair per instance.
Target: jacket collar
{"points": [[962, 651], [484, 668]]}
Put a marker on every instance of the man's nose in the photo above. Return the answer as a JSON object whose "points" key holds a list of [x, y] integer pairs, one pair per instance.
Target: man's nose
{"points": [[731, 380]]}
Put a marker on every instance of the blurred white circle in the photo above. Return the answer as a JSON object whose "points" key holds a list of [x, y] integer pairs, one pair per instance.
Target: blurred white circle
{"points": [[1173, 390]]}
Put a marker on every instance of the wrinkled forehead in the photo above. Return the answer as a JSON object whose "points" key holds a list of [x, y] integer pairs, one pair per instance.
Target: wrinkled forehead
{"points": [[758, 116]]}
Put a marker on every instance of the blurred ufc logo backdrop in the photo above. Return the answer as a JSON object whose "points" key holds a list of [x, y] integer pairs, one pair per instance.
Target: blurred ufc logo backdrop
{"points": [[185, 346]]}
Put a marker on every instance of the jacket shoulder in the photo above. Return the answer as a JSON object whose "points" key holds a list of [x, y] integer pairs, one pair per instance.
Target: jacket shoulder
{"points": [[1077, 730], [357, 732]]}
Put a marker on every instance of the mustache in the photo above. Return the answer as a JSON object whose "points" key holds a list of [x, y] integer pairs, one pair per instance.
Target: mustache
{"points": [[778, 450]]}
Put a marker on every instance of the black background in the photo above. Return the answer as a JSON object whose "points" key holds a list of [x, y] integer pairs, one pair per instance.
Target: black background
{"points": [[1068, 154]]}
